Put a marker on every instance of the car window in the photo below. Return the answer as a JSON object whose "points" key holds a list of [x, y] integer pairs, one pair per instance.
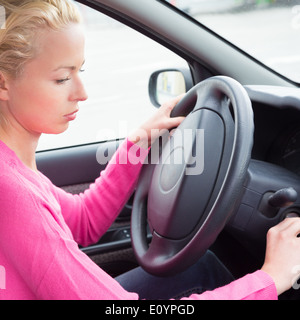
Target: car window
{"points": [[268, 30], [118, 65]]}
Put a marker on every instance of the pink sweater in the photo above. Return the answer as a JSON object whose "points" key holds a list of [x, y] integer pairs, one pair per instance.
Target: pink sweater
{"points": [[40, 226]]}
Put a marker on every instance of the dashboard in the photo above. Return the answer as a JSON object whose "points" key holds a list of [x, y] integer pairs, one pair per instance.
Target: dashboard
{"points": [[277, 125]]}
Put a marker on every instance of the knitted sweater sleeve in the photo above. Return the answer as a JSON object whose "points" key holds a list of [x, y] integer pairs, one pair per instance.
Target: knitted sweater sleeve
{"points": [[255, 286], [91, 213]]}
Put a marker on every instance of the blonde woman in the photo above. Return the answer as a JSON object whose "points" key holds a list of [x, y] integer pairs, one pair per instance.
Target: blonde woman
{"points": [[41, 57]]}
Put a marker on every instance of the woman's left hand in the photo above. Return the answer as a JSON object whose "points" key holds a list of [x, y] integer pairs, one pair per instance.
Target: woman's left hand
{"points": [[150, 130]]}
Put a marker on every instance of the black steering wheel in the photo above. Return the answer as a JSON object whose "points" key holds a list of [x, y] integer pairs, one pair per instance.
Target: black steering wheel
{"points": [[186, 194]]}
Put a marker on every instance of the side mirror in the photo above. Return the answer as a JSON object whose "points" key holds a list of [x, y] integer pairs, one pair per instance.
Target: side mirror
{"points": [[167, 84]]}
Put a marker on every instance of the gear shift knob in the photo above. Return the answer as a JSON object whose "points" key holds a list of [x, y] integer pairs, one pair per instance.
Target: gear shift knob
{"points": [[283, 198]]}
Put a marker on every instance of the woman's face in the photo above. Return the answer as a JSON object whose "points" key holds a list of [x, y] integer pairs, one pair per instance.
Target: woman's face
{"points": [[44, 99]]}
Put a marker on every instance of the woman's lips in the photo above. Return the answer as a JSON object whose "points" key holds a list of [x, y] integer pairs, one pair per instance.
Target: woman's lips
{"points": [[71, 116]]}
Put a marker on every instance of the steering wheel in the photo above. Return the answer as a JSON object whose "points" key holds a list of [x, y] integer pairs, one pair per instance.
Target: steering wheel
{"points": [[194, 178]]}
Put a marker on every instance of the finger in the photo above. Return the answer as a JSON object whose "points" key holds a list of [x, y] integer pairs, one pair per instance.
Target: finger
{"points": [[289, 226], [175, 122], [170, 105], [285, 223], [178, 98], [294, 227]]}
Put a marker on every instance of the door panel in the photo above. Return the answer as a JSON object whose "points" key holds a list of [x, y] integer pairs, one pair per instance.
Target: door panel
{"points": [[74, 165]]}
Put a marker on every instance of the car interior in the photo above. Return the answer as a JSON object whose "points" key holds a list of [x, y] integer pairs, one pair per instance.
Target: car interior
{"points": [[270, 186]]}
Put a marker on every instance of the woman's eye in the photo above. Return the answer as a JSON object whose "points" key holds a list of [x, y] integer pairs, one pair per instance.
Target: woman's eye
{"points": [[61, 81], [64, 80]]}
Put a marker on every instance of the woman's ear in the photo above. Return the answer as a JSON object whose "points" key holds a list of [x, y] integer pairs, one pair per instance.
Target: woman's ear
{"points": [[3, 87]]}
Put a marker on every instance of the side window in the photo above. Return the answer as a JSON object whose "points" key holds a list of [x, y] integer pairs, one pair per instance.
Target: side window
{"points": [[119, 62]]}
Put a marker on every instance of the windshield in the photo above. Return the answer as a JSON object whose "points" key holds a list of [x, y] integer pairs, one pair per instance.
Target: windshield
{"points": [[268, 30]]}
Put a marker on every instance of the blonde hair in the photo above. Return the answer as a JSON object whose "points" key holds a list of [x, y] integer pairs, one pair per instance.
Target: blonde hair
{"points": [[24, 21]]}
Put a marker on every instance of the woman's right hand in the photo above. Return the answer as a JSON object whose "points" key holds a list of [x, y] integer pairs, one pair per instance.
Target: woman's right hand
{"points": [[282, 260]]}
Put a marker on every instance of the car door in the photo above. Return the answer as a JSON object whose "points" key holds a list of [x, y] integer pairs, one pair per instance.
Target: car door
{"points": [[119, 62]]}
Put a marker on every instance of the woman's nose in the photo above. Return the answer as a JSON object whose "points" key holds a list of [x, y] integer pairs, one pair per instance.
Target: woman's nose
{"points": [[79, 92]]}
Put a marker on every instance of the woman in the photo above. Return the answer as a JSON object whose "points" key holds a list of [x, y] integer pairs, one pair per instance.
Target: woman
{"points": [[41, 56]]}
